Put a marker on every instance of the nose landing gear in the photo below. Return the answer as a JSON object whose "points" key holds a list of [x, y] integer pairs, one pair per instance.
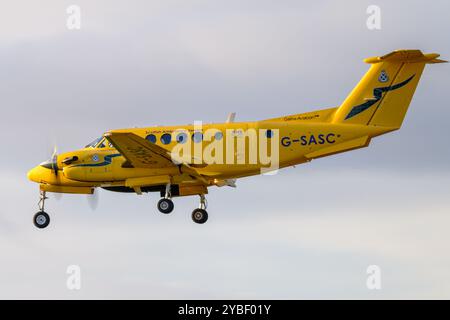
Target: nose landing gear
{"points": [[41, 219]]}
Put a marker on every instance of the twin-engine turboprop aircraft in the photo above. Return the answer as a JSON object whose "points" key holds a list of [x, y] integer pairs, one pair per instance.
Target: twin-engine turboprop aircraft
{"points": [[186, 160]]}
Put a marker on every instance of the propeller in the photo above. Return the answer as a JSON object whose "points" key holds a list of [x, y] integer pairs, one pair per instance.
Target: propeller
{"points": [[54, 160], [52, 163], [57, 196], [93, 200]]}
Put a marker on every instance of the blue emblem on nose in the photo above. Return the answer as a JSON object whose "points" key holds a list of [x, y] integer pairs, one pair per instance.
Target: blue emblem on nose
{"points": [[107, 161]]}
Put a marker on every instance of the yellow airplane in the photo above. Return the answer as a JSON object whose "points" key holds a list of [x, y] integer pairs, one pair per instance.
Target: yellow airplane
{"points": [[185, 160]]}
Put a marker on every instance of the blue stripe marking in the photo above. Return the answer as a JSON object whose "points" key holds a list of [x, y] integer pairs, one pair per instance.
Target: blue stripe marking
{"points": [[377, 94], [107, 161]]}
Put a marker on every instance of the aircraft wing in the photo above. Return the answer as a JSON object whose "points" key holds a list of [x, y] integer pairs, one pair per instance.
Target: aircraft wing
{"points": [[139, 152]]}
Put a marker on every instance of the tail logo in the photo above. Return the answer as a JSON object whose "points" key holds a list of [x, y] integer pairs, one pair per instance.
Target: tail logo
{"points": [[377, 95], [383, 77]]}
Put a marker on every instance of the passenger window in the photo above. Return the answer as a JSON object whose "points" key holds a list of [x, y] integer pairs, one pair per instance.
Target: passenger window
{"points": [[151, 138], [181, 137], [166, 138], [197, 137], [218, 135]]}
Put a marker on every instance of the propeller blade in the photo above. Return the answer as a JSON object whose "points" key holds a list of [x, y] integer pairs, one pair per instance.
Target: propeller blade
{"points": [[57, 196], [93, 200], [55, 151], [55, 160]]}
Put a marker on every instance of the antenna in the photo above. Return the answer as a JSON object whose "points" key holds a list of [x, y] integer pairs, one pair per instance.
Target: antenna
{"points": [[231, 117]]}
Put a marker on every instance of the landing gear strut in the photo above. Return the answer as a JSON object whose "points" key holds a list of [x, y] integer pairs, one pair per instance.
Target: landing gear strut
{"points": [[165, 205], [41, 219], [200, 215]]}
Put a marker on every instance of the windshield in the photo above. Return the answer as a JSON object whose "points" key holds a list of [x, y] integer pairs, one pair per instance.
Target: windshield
{"points": [[94, 143]]}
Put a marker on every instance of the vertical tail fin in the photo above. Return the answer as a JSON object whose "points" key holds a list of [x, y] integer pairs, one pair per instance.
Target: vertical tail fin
{"points": [[383, 95]]}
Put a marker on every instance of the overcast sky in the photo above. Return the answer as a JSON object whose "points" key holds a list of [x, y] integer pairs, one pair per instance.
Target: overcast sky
{"points": [[308, 232]]}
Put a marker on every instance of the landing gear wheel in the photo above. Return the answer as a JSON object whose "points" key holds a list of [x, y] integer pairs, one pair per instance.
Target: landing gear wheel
{"points": [[165, 205], [41, 220], [199, 216]]}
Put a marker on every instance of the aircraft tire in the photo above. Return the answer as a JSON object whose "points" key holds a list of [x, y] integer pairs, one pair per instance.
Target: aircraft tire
{"points": [[199, 216], [165, 206], [41, 220]]}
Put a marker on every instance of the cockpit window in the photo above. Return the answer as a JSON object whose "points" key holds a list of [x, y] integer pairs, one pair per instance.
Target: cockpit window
{"points": [[95, 143], [102, 143]]}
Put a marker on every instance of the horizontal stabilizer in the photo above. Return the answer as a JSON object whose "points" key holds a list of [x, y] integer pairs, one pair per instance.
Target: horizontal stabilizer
{"points": [[406, 56]]}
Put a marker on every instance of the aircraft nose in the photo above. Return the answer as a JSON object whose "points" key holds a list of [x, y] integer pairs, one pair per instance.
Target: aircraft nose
{"points": [[33, 174], [40, 174]]}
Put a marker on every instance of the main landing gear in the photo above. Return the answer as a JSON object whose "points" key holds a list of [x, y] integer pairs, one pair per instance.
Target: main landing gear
{"points": [[41, 219], [165, 205], [199, 215]]}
